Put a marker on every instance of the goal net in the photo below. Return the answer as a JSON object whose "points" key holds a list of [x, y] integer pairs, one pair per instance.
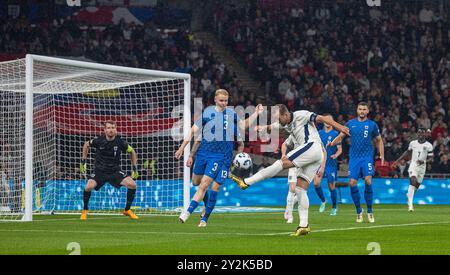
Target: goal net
{"points": [[50, 107]]}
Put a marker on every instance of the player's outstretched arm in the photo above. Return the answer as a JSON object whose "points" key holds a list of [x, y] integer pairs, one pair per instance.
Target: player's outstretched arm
{"points": [[341, 128], [337, 140], [187, 139], [244, 124]]}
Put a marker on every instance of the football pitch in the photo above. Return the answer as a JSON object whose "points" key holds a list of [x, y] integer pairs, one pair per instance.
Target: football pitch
{"points": [[395, 231]]}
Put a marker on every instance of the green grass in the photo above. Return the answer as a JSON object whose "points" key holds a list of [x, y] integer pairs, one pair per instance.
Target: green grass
{"points": [[426, 231]]}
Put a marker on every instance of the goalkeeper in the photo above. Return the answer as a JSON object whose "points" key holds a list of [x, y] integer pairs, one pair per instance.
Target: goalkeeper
{"points": [[107, 167]]}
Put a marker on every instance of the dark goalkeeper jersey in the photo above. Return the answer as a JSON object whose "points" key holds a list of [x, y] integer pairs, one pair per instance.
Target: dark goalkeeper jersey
{"points": [[107, 156]]}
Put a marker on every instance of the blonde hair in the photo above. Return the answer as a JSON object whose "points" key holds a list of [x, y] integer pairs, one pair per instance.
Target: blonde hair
{"points": [[221, 92]]}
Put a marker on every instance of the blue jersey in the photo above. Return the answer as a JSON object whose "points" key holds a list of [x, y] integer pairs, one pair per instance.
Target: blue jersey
{"points": [[361, 136], [331, 150], [219, 131]]}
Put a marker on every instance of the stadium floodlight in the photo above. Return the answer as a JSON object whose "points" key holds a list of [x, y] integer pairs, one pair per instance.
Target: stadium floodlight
{"points": [[50, 106]]}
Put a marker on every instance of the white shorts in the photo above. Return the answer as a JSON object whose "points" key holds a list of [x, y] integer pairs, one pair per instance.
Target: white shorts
{"points": [[417, 171], [307, 159]]}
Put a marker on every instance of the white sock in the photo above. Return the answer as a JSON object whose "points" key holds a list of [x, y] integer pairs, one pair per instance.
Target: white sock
{"points": [[303, 205], [290, 201], [410, 194], [265, 173]]}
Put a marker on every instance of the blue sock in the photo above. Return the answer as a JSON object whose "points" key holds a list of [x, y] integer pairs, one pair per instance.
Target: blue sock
{"points": [[210, 205], [368, 196], [333, 197], [319, 192], [356, 198], [205, 198], [192, 206]]}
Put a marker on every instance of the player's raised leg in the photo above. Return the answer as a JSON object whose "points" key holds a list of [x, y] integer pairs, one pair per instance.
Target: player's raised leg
{"points": [[91, 184]]}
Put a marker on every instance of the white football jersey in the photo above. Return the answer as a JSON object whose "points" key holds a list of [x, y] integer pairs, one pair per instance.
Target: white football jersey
{"points": [[420, 151], [301, 127]]}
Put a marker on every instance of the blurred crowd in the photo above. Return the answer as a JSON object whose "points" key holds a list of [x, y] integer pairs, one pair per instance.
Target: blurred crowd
{"points": [[127, 44], [326, 56]]}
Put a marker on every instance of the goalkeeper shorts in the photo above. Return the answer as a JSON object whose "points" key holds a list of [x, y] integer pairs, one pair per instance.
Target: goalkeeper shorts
{"points": [[113, 179]]}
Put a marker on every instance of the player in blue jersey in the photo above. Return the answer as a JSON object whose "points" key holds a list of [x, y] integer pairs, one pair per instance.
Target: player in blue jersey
{"points": [[363, 131], [327, 135], [215, 153]]}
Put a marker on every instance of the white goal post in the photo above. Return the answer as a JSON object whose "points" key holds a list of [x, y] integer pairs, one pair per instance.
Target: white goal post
{"points": [[50, 106]]}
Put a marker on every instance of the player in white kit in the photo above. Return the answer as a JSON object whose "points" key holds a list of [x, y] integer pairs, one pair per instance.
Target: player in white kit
{"points": [[307, 157], [420, 151], [291, 199]]}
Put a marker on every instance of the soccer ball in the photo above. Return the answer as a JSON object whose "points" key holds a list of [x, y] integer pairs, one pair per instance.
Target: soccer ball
{"points": [[242, 161]]}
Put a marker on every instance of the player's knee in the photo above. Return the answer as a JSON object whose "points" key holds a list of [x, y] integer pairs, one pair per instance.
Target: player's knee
{"points": [[331, 186], [196, 180], [302, 183], [90, 185], [131, 184], [203, 186]]}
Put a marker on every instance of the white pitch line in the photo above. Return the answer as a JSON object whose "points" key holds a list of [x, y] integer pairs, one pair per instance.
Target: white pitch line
{"points": [[220, 233], [367, 227]]}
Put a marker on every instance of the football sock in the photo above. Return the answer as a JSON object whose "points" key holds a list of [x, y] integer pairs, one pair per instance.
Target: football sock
{"points": [[356, 198], [192, 206], [368, 196], [86, 197], [290, 201], [303, 205], [265, 173], [411, 190], [319, 192], [334, 197], [210, 204], [130, 198]]}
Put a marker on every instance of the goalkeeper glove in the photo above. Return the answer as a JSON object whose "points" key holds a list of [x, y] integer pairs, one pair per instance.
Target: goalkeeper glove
{"points": [[83, 166], [135, 173]]}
